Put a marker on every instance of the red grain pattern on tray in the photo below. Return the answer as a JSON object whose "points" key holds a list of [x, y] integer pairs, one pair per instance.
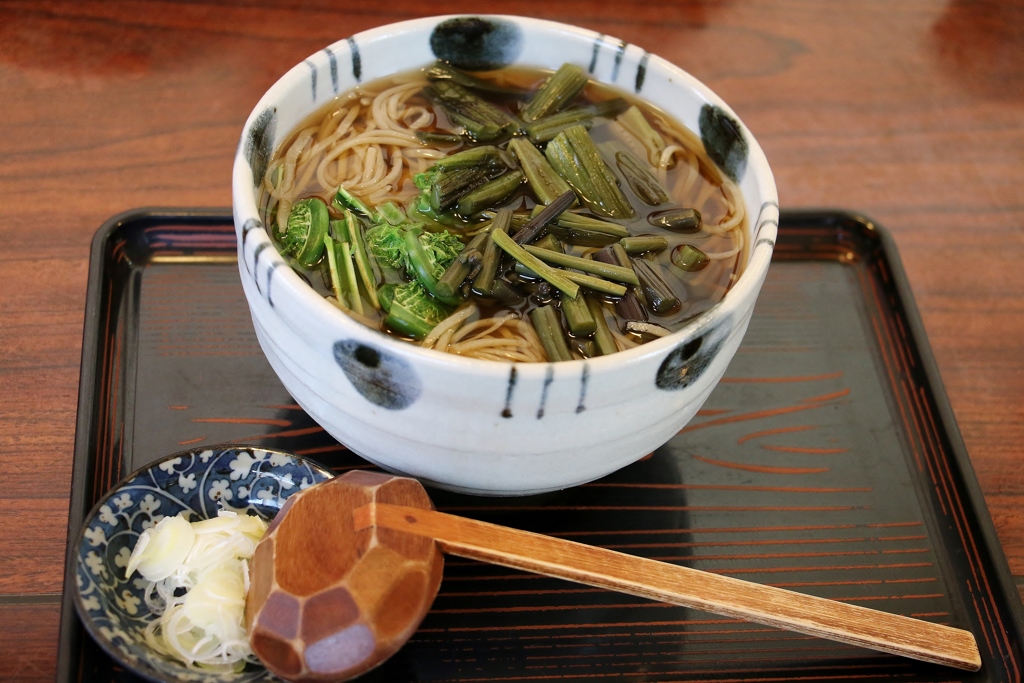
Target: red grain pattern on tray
{"points": [[778, 430], [767, 469], [946, 493], [244, 421], [690, 505], [827, 397], [805, 450], [753, 415]]}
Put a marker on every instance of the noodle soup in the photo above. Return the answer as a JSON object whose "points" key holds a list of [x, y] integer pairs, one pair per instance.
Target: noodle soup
{"points": [[513, 215]]}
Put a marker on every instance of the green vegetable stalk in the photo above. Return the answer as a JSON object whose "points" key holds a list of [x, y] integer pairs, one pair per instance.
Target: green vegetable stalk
{"points": [[304, 234], [575, 157], [490, 193], [543, 270], [605, 270], [352, 233], [485, 279], [411, 310], [545, 183], [343, 199], [549, 329], [557, 92]]}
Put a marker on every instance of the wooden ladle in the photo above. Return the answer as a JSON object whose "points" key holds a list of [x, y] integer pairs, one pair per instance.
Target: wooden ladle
{"points": [[349, 568]]}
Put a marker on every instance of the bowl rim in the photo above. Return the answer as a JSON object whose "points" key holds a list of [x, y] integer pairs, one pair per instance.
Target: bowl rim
{"points": [[746, 286], [83, 617]]}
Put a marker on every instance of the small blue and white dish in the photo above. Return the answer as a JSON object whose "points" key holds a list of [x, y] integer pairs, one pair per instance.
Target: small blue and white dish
{"points": [[199, 482]]}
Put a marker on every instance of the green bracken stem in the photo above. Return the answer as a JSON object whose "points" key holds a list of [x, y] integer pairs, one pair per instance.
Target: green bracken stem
{"points": [[689, 258], [591, 282], [484, 155], [641, 244], [533, 227], [354, 235], [553, 276], [545, 183], [587, 231], [490, 193], [484, 281], [605, 270], [442, 71], [449, 186], [643, 183], [450, 283], [660, 297], [549, 329], [602, 334], [557, 92], [545, 129], [482, 120], [579, 318], [419, 260], [332, 267], [575, 157], [349, 274]]}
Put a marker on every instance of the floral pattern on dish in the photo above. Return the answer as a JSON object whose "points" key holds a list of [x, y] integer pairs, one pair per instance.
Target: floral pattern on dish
{"points": [[198, 483]]}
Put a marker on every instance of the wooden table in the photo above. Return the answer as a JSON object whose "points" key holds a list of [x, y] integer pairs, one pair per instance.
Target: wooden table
{"points": [[912, 113]]}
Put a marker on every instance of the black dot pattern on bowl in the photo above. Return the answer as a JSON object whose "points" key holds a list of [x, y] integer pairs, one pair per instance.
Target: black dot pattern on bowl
{"points": [[723, 139], [259, 144], [381, 378], [687, 362], [475, 43]]}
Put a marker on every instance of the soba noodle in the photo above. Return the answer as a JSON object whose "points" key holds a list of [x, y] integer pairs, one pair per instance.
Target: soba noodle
{"points": [[370, 142]]}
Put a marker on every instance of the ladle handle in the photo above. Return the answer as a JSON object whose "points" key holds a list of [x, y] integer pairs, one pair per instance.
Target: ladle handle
{"points": [[684, 586]]}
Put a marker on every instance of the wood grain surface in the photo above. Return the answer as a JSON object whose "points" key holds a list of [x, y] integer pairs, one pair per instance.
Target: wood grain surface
{"points": [[912, 113]]}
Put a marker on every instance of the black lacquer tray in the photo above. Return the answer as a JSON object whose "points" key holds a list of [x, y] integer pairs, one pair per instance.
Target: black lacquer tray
{"points": [[827, 461]]}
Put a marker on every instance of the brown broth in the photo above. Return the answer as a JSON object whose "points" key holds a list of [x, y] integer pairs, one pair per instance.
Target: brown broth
{"points": [[697, 291]]}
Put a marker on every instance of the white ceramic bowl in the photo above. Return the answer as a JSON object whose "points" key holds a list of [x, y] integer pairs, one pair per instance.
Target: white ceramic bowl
{"points": [[481, 426]]}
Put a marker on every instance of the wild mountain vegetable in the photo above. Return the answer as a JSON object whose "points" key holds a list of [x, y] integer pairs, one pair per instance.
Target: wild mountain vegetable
{"points": [[643, 183], [532, 229], [343, 199], [546, 321], [683, 220], [304, 234], [575, 157], [490, 193], [660, 298], [350, 230], [511, 215], [634, 121], [605, 270], [442, 71], [389, 245], [545, 183], [544, 271], [411, 310], [576, 228], [485, 279], [547, 128], [638, 244], [450, 282], [481, 120], [557, 92], [689, 258]]}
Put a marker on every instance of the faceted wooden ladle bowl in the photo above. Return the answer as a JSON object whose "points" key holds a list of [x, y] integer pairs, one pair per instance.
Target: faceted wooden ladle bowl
{"points": [[349, 568]]}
